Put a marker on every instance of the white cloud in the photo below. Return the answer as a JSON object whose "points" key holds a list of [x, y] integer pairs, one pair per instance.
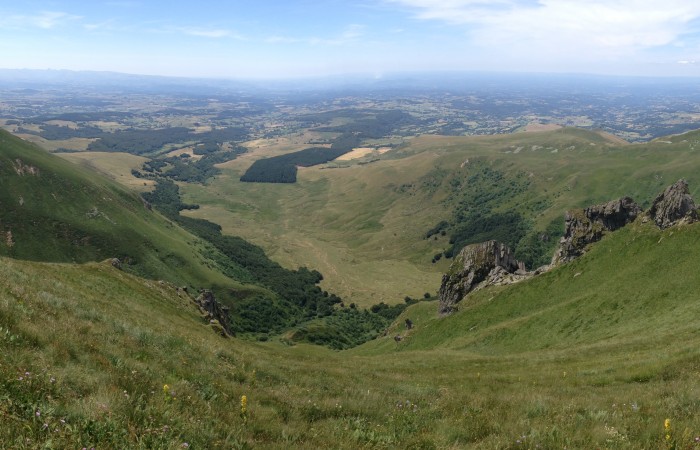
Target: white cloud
{"points": [[351, 33], [210, 33], [282, 40], [600, 27], [44, 19]]}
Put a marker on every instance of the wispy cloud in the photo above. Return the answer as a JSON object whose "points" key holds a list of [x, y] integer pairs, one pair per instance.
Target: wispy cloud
{"points": [[351, 33], [208, 33], [123, 4], [606, 25], [44, 19], [275, 39]]}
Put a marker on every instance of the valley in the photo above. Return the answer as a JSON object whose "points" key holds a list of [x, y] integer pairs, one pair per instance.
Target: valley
{"points": [[153, 297]]}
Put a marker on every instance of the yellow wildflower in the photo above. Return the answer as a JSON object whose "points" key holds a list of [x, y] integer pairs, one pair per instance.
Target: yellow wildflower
{"points": [[244, 408]]}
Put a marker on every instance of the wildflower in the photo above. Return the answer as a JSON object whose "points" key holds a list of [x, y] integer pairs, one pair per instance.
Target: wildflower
{"points": [[244, 408], [37, 413], [667, 429], [166, 388], [185, 445]]}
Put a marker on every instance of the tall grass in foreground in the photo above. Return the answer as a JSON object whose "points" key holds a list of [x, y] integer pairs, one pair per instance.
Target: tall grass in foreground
{"points": [[93, 357]]}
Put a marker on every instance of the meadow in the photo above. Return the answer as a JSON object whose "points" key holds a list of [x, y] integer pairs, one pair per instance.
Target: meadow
{"points": [[598, 353]]}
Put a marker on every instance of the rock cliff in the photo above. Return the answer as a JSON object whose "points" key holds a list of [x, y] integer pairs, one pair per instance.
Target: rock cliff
{"points": [[586, 226], [215, 313], [478, 264], [493, 263], [673, 206]]}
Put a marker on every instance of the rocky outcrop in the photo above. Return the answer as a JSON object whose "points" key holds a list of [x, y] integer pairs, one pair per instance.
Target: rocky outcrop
{"points": [[215, 313], [673, 206], [475, 266], [23, 169], [586, 226]]}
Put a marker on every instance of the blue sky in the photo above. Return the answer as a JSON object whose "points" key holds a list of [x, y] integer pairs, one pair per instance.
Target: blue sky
{"points": [[295, 38]]}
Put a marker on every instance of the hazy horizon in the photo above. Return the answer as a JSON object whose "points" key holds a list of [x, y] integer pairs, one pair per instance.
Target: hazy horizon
{"points": [[304, 39]]}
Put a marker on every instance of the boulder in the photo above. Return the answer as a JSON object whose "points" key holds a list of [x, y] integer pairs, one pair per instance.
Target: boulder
{"points": [[586, 226], [477, 265], [215, 313], [673, 206]]}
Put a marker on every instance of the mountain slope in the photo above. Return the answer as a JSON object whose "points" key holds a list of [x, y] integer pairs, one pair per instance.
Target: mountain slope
{"points": [[52, 210], [88, 351], [637, 287]]}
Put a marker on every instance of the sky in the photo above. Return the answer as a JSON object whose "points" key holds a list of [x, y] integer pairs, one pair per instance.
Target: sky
{"points": [[271, 39]]}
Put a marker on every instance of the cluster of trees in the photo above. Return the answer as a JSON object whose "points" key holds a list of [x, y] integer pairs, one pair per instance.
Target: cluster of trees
{"points": [[283, 168], [478, 216], [346, 328], [96, 116], [364, 125], [56, 132], [139, 142], [184, 168], [377, 125], [508, 227]]}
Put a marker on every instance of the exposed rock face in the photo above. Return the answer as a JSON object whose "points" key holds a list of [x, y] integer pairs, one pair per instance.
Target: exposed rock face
{"points": [[24, 169], [476, 265], [673, 206], [585, 226], [216, 314]]}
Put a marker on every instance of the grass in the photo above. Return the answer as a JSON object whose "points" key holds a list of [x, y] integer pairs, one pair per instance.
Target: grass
{"points": [[117, 166], [597, 353], [597, 360], [363, 226]]}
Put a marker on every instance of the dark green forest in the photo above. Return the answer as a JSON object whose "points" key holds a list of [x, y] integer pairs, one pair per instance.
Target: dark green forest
{"points": [[283, 168]]}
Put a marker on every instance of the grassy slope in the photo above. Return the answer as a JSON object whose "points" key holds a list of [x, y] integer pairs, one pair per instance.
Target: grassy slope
{"points": [[66, 213], [593, 361], [363, 226]]}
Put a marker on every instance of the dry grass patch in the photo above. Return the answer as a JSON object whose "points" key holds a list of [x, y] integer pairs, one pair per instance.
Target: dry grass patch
{"points": [[117, 166]]}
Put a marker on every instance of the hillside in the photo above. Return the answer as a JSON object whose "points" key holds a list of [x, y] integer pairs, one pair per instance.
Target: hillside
{"points": [[56, 211], [94, 357], [364, 226]]}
